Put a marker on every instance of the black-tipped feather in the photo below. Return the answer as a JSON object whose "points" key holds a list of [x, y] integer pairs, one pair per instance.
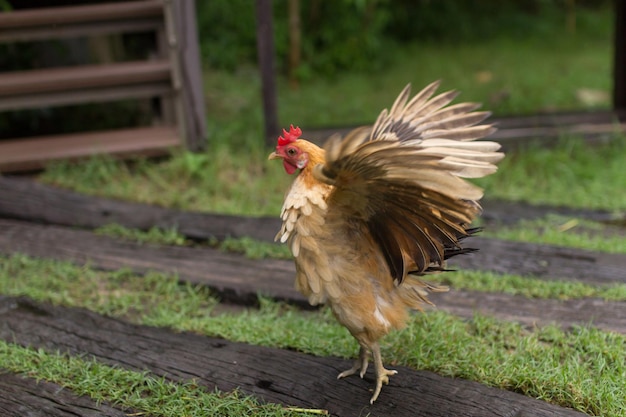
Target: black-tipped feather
{"points": [[405, 187]]}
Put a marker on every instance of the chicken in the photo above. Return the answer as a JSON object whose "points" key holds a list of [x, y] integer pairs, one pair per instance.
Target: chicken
{"points": [[370, 214]]}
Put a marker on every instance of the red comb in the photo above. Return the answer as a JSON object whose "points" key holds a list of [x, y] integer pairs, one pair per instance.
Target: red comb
{"points": [[291, 136]]}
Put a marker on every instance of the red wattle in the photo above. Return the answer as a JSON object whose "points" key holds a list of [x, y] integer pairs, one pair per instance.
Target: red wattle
{"points": [[290, 168]]}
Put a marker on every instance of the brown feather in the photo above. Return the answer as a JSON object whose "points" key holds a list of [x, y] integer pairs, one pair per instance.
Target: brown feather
{"points": [[411, 195], [373, 212]]}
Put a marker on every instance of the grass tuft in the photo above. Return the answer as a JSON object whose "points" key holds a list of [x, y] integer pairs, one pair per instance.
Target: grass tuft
{"points": [[583, 368], [571, 174], [528, 286], [132, 390], [255, 249], [564, 231], [154, 235]]}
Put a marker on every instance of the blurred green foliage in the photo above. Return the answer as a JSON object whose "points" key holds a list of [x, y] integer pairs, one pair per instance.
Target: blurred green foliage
{"points": [[343, 34], [360, 34]]}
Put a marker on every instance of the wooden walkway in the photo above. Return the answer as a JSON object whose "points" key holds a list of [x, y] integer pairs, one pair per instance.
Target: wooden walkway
{"points": [[42, 221]]}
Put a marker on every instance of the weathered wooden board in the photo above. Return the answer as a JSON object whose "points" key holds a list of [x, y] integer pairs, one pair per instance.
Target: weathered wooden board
{"points": [[239, 280], [26, 397], [233, 276], [28, 200], [495, 255], [542, 261], [503, 212], [275, 375], [602, 314]]}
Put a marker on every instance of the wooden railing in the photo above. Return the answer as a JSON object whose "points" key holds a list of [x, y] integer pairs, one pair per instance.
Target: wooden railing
{"points": [[172, 76]]}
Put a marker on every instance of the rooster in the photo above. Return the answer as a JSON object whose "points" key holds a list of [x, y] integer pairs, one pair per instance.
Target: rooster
{"points": [[370, 214]]}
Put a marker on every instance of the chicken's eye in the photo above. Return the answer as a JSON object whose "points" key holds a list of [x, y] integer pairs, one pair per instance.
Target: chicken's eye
{"points": [[291, 152]]}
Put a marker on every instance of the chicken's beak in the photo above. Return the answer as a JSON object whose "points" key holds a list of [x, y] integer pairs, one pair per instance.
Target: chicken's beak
{"points": [[274, 155]]}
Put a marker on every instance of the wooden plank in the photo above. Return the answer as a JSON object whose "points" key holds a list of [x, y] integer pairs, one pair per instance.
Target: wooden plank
{"points": [[82, 77], [30, 154], [557, 119], [532, 312], [236, 278], [501, 212], [21, 396], [29, 200], [511, 139], [80, 14], [161, 89], [542, 261], [76, 30], [239, 280], [274, 375]]}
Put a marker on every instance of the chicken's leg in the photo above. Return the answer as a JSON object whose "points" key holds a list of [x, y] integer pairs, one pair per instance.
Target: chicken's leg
{"points": [[382, 374], [359, 365]]}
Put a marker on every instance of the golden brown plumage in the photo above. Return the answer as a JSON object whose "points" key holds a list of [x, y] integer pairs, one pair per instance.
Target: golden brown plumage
{"points": [[371, 213]]}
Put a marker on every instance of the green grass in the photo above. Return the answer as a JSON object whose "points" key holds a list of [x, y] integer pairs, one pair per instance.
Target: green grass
{"points": [[221, 180], [571, 174], [154, 235], [132, 390], [564, 231], [255, 249], [583, 368], [494, 72], [528, 286]]}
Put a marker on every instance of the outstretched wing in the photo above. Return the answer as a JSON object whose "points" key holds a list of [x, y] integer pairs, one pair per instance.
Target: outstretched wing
{"points": [[403, 178]]}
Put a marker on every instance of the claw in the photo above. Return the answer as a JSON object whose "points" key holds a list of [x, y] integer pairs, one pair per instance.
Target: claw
{"points": [[363, 368], [359, 365], [381, 379], [382, 374], [347, 372]]}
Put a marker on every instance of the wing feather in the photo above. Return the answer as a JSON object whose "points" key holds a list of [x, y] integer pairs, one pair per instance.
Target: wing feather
{"points": [[402, 179]]}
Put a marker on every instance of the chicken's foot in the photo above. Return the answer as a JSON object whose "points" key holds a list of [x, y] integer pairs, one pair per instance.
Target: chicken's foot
{"points": [[359, 365], [382, 374]]}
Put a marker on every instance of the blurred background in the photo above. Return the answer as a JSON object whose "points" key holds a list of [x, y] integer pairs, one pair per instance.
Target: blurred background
{"points": [[337, 65], [352, 57]]}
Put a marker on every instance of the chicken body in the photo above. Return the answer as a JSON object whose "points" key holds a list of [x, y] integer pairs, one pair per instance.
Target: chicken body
{"points": [[370, 214]]}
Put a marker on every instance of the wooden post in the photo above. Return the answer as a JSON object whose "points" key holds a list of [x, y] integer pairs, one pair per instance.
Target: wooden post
{"points": [[265, 51], [193, 91], [619, 63]]}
